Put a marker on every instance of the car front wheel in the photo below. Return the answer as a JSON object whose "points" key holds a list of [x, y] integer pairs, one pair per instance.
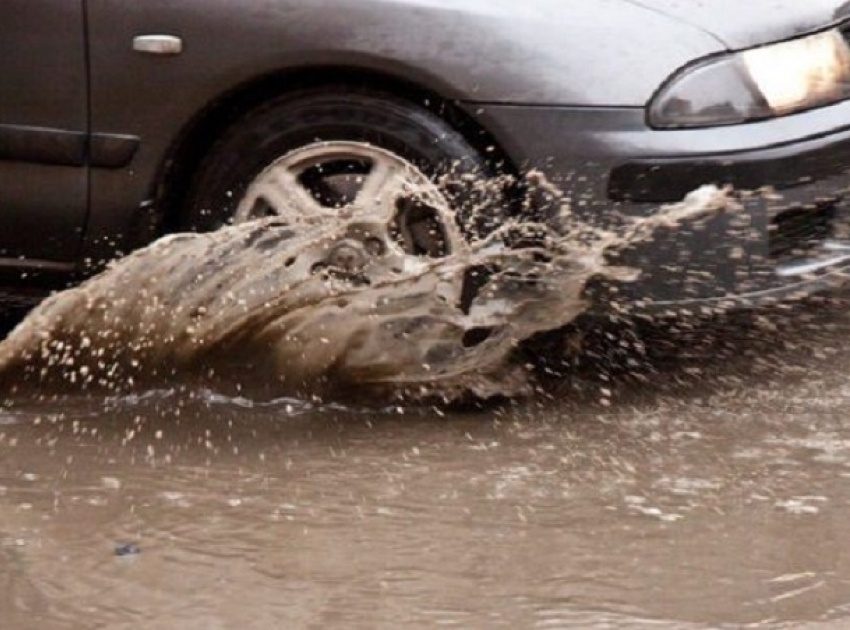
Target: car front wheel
{"points": [[336, 152]]}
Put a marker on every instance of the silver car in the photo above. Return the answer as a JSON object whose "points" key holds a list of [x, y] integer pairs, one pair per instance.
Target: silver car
{"points": [[121, 121]]}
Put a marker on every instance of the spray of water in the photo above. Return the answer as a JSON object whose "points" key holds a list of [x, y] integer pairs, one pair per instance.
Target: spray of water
{"points": [[329, 308]]}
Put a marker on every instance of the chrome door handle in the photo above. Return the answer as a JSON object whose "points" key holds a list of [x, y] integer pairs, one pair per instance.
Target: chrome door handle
{"points": [[158, 44]]}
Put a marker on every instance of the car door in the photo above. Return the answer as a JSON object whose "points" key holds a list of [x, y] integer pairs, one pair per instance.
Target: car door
{"points": [[43, 133]]}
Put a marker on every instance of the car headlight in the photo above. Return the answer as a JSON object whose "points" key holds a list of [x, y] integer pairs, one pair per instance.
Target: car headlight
{"points": [[755, 84]]}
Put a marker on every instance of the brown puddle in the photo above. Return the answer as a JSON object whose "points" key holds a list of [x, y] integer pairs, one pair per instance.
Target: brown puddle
{"points": [[723, 506], [713, 492]]}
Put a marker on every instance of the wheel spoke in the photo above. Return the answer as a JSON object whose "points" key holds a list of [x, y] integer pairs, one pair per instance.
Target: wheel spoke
{"points": [[384, 184], [293, 193], [279, 205], [284, 195]]}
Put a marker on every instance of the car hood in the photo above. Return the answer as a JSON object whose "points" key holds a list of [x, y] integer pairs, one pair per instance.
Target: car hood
{"points": [[745, 23]]}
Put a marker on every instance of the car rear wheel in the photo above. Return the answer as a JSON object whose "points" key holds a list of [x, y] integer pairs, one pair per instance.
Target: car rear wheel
{"points": [[333, 152]]}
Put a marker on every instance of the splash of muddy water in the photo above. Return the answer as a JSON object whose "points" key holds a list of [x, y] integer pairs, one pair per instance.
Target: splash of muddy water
{"points": [[325, 307]]}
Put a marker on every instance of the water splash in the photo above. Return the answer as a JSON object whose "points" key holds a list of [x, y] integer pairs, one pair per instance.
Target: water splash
{"points": [[328, 308]]}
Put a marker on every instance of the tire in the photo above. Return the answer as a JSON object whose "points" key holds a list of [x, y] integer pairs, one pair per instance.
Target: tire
{"points": [[337, 117]]}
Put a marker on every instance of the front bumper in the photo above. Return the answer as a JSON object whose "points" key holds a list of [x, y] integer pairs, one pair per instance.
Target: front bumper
{"points": [[611, 165]]}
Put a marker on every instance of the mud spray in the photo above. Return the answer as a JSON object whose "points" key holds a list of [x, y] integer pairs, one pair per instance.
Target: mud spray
{"points": [[328, 308]]}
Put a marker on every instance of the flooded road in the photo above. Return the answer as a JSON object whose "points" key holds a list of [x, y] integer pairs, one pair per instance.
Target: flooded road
{"points": [[704, 484]]}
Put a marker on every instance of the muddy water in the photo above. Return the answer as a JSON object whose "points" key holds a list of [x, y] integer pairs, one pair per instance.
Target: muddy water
{"points": [[330, 305], [711, 488], [687, 477]]}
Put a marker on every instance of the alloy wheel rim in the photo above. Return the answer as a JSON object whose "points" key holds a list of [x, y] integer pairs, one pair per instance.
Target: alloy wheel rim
{"points": [[346, 179]]}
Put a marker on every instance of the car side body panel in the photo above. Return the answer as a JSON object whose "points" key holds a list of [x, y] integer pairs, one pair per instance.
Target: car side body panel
{"points": [[43, 134]]}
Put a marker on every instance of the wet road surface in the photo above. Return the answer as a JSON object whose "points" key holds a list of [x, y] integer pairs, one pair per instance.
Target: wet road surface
{"points": [[702, 484]]}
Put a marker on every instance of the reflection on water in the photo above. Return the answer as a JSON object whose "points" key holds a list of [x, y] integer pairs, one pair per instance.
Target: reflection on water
{"points": [[716, 502]]}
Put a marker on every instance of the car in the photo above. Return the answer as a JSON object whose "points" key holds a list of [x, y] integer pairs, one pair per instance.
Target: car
{"points": [[123, 121]]}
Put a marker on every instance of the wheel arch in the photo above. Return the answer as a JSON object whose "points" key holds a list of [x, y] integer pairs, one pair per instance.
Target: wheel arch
{"points": [[199, 134]]}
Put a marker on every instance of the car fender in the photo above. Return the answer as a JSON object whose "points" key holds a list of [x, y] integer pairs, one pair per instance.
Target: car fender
{"points": [[481, 51]]}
